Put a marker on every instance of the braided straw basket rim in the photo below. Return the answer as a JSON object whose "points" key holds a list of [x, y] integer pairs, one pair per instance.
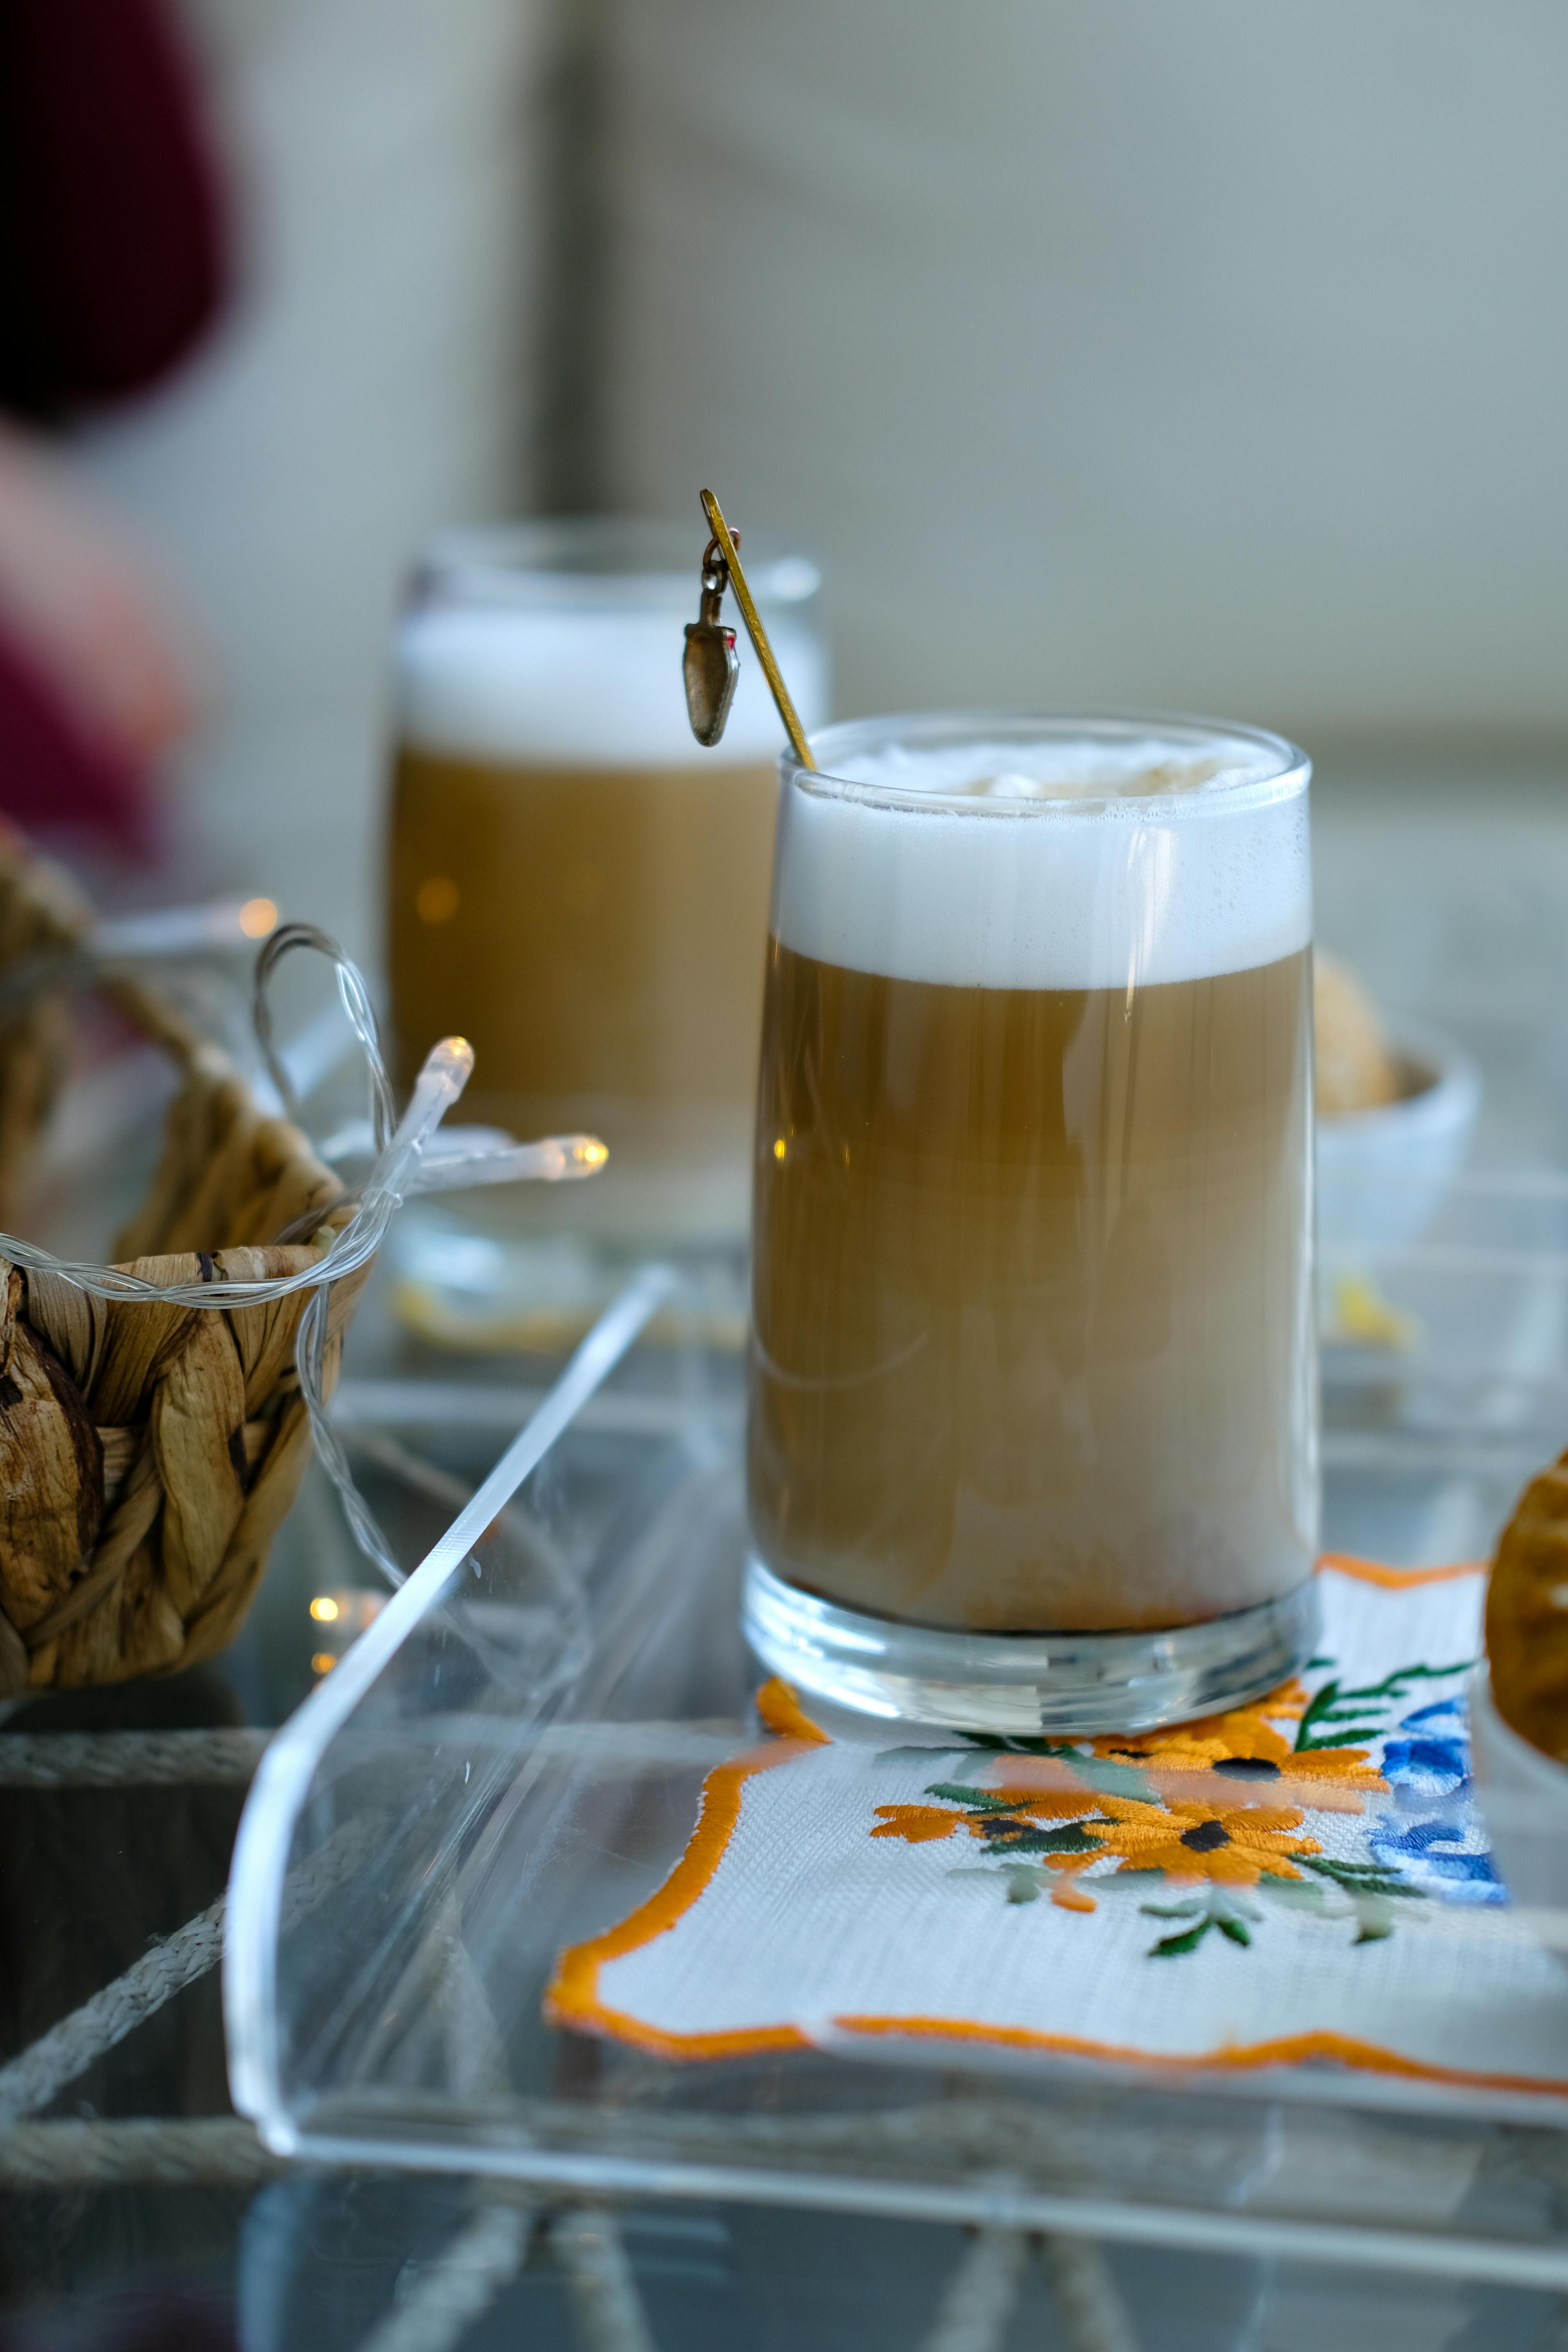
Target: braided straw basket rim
{"points": [[149, 1450]]}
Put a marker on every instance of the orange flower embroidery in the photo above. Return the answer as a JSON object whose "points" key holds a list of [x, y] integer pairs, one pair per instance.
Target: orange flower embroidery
{"points": [[1045, 1804], [1246, 1735], [1191, 1841], [916, 1824], [1067, 1894], [1347, 1765], [1215, 1740], [1289, 1700]]}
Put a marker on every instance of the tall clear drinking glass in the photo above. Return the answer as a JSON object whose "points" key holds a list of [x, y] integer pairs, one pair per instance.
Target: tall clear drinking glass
{"points": [[581, 890], [1032, 1423]]}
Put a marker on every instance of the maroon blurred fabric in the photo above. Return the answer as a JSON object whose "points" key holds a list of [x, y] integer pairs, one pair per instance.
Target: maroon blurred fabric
{"points": [[112, 245], [113, 261], [55, 776]]}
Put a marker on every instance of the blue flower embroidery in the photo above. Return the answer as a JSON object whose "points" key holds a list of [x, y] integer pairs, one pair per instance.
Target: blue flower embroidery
{"points": [[1437, 1858], [1441, 1855], [1435, 1757]]}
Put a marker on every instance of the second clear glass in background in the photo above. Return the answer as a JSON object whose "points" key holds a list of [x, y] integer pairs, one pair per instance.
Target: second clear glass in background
{"points": [[581, 890]]}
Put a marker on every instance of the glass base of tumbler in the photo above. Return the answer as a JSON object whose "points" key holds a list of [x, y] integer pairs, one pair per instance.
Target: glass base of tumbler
{"points": [[1069, 1684]]}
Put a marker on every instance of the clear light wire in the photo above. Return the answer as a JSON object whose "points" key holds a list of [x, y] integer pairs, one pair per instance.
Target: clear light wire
{"points": [[310, 1362], [481, 1156], [439, 1084], [356, 1003]]}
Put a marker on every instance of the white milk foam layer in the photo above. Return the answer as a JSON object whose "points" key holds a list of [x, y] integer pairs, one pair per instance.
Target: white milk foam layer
{"points": [[1061, 864], [584, 688]]}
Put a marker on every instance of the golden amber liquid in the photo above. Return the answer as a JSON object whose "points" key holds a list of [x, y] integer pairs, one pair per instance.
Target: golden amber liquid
{"points": [[1033, 1338], [599, 936]]}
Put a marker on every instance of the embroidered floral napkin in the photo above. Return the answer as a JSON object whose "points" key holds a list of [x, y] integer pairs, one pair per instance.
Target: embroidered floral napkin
{"points": [[1303, 1880]]}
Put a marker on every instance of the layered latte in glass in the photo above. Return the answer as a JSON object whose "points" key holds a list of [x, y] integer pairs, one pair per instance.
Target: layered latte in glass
{"points": [[1033, 1413], [582, 891]]}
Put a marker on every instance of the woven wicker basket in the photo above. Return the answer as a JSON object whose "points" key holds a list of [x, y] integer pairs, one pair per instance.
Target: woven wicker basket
{"points": [[148, 1451]]}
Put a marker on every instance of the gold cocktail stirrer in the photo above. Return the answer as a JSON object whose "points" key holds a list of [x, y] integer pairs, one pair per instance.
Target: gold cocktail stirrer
{"points": [[710, 668]]}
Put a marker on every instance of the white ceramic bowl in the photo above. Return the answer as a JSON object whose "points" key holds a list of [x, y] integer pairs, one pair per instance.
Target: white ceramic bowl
{"points": [[1523, 1800], [1382, 1175]]}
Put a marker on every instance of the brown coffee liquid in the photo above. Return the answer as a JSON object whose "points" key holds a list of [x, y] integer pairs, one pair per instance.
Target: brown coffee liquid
{"points": [[597, 934], [1033, 1342]]}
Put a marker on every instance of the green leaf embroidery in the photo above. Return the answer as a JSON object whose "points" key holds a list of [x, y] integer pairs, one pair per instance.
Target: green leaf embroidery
{"points": [[1359, 1877], [974, 1801], [1393, 1686], [1022, 1745], [1217, 1907], [925, 1754], [1335, 1711], [1171, 1947], [1323, 1710], [1305, 1893], [1000, 1838]]}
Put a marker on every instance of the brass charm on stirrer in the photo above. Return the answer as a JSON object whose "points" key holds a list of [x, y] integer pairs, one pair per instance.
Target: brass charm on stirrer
{"points": [[710, 666]]}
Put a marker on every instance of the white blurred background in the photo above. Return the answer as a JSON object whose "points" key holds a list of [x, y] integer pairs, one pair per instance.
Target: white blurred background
{"points": [[373, 380], [1204, 356], [1210, 357]]}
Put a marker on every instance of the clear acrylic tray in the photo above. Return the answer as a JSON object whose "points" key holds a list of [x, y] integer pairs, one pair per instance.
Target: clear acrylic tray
{"points": [[510, 1759]]}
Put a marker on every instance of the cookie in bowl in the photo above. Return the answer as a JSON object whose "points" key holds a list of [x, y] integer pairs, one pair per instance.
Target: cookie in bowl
{"points": [[1395, 1107]]}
